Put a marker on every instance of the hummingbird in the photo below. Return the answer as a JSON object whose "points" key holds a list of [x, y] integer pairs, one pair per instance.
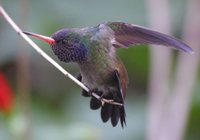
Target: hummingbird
{"points": [[101, 70]]}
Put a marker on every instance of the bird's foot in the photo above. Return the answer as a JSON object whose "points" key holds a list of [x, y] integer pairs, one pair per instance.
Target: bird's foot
{"points": [[104, 100], [100, 96], [99, 99]]}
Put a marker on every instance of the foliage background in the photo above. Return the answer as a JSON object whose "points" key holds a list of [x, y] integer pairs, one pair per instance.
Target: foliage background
{"points": [[54, 108]]}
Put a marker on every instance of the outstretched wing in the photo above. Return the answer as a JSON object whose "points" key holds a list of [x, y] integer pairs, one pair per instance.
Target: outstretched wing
{"points": [[126, 35]]}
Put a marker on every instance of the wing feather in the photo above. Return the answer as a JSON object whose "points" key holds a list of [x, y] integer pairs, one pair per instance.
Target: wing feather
{"points": [[127, 35]]}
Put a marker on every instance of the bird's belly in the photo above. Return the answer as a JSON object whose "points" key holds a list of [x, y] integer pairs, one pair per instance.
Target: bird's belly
{"points": [[97, 70], [97, 77]]}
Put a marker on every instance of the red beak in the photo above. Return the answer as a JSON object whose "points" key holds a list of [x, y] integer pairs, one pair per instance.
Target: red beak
{"points": [[45, 38]]}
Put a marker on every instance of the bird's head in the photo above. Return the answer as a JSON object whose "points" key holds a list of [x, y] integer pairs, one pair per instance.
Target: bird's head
{"points": [[66, 44]]}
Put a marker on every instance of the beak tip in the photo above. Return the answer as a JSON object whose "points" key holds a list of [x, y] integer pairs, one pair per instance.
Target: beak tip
{"points": [[27, 33]]}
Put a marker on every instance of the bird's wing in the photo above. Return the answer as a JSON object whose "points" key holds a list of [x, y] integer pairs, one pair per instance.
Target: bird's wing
{"points": [[116, 111], [126, 35], [119, 86]]}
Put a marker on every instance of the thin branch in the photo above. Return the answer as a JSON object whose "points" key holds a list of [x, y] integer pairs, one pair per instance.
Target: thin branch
{"points": [[50, 60]]}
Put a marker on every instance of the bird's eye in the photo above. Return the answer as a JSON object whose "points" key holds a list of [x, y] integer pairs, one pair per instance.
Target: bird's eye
{"points": [[64, 41]]}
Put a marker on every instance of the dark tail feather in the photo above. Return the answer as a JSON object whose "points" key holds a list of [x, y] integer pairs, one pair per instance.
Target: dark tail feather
{"points": [[122, 116], [95, 103], [106, 111], [115, 113]]}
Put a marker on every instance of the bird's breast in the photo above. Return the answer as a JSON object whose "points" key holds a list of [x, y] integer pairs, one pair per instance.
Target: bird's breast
{"points": [[96, 75], [98, 69]]}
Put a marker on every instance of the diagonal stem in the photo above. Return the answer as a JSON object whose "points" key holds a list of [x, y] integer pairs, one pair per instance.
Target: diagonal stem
{"points": [[49, 59]]}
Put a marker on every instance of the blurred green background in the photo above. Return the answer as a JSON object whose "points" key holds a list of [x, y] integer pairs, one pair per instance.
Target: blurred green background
{"points": [[56, 110]]}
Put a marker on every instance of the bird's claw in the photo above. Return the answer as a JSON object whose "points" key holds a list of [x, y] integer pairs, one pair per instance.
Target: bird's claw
{"points": [[99, 96], [108, 101]]}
